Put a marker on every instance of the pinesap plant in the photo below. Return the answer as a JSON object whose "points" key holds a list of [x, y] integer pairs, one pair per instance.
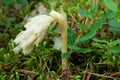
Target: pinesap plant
{"points": [[35, 32]]}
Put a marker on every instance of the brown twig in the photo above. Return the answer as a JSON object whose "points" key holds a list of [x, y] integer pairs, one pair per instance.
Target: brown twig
{"points": [[10, 64], [90, 23], [65, 74], [95, 2], [84, 20], [95, 74], [72, 17], [72, 23], [103, 64], [26, 73], [113, 75], [89, 75], [85, 73]]}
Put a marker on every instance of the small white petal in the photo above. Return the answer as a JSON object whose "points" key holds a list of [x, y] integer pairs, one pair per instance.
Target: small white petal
{"points": [[57, 43], [28, 41], [17, 49], [27, 50], [18, 38], [40, 38]]}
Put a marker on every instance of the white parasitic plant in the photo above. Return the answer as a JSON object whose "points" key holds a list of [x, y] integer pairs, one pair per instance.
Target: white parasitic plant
{"points": [[35, 32]]}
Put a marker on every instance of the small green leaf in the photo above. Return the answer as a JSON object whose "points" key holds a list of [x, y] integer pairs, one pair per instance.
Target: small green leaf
{"points": [[101, 46], [12, 19], [73, 47], [114, 43], [111, 5], [80, 50], [83, 50], [96, 26], [105, 56], [114, 23], [2, 23], [109, 15], [65, 55], [85, 13], [18, 25], [7, 1], [22, 1], [86, 37], [17, 76], [71, 36], [100, 41], [94, 9], [115, 49], [3, 77], [116, 30], [118, 14], [82, 26], [11, 77]]}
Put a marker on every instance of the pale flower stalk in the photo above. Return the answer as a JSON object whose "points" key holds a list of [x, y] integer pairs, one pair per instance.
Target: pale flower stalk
{"points": [[35, 32], [61, 19]]}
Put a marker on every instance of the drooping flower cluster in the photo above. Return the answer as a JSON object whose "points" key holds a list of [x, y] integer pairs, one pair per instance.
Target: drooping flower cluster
{"points": [[35, 31]]}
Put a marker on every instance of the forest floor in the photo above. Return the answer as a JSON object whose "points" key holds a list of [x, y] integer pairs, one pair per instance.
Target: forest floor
{"points": [[93, 41]]}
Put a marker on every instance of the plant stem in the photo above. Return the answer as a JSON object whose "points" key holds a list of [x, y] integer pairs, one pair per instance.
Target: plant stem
{"points": [[63, 27], [64, 47], [61, 19]]}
